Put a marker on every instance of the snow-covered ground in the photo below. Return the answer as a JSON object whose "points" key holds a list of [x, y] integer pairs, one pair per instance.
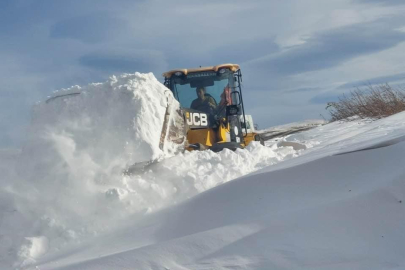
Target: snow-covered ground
{"points": [[332, 197], [283, 130]]}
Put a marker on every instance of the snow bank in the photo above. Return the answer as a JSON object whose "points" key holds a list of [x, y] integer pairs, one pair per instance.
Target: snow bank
{"points": [[327, 209], [185, 175], [119, 119], [70, 186], [70, 206]]}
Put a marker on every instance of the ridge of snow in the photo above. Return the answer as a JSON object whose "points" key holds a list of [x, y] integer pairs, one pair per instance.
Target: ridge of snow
{"points": [[68, 182], [65, 204], [330, 212]]}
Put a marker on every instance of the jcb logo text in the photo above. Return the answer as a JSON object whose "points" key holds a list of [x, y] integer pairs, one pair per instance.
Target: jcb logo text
{"points": [[197, 119]]}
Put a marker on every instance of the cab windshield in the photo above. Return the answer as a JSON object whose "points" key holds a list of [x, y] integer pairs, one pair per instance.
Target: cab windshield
{"points": [[202, 91]]}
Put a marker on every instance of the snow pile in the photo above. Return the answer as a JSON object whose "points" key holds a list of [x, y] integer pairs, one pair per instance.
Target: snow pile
{"points": [[71, 207], [70, 184], [185, 175], [327, 209], [119, 119], [80, 141]]}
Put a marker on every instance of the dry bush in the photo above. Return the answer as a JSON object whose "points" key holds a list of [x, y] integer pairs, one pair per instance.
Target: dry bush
{"points": [[374, 102]]}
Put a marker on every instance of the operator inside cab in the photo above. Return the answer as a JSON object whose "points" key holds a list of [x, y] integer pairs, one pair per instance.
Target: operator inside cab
{"points": [[204, 102]]}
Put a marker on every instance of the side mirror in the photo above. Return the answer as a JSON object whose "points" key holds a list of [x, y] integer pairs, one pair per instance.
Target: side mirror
{"points": [[232, 110]]}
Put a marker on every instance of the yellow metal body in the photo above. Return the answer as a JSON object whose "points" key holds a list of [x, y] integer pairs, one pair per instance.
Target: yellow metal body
{"points": [[223, 131], [249, 137], [204, 136], [209, 136]]}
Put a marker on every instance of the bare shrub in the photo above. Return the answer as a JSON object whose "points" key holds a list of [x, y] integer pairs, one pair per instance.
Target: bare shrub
{"points": [[374, 102]]}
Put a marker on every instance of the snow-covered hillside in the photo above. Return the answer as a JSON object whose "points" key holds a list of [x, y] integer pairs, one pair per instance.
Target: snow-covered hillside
{"points": [[332, 197]]}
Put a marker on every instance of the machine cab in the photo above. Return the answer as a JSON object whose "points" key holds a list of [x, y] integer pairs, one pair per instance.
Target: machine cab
{"points": [[211, 99], [208, 93]]}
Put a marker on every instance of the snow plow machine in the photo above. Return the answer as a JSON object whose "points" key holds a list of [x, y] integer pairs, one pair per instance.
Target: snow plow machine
{"points": [[199, 109], [211, 109]]}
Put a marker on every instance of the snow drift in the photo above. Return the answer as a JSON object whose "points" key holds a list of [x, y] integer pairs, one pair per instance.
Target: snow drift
{"points": [[70, 186], [325, 209], [335, 202], [120, 119]]}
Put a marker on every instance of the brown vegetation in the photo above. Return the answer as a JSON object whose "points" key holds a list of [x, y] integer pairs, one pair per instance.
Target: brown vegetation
{"points": [[374, 102]]}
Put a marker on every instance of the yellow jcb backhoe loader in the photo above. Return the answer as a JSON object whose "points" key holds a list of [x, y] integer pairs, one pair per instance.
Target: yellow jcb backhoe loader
{"points": [[212, 107]]}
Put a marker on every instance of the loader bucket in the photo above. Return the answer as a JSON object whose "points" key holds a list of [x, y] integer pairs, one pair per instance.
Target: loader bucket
{"points": [[173, 138]]}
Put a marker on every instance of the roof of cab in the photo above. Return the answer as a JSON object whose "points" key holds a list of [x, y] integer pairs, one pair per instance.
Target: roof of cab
{"points": [[232, 67]]}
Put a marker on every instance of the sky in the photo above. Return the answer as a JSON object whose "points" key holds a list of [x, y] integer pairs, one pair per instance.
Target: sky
{"points": [[295, 55]]}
